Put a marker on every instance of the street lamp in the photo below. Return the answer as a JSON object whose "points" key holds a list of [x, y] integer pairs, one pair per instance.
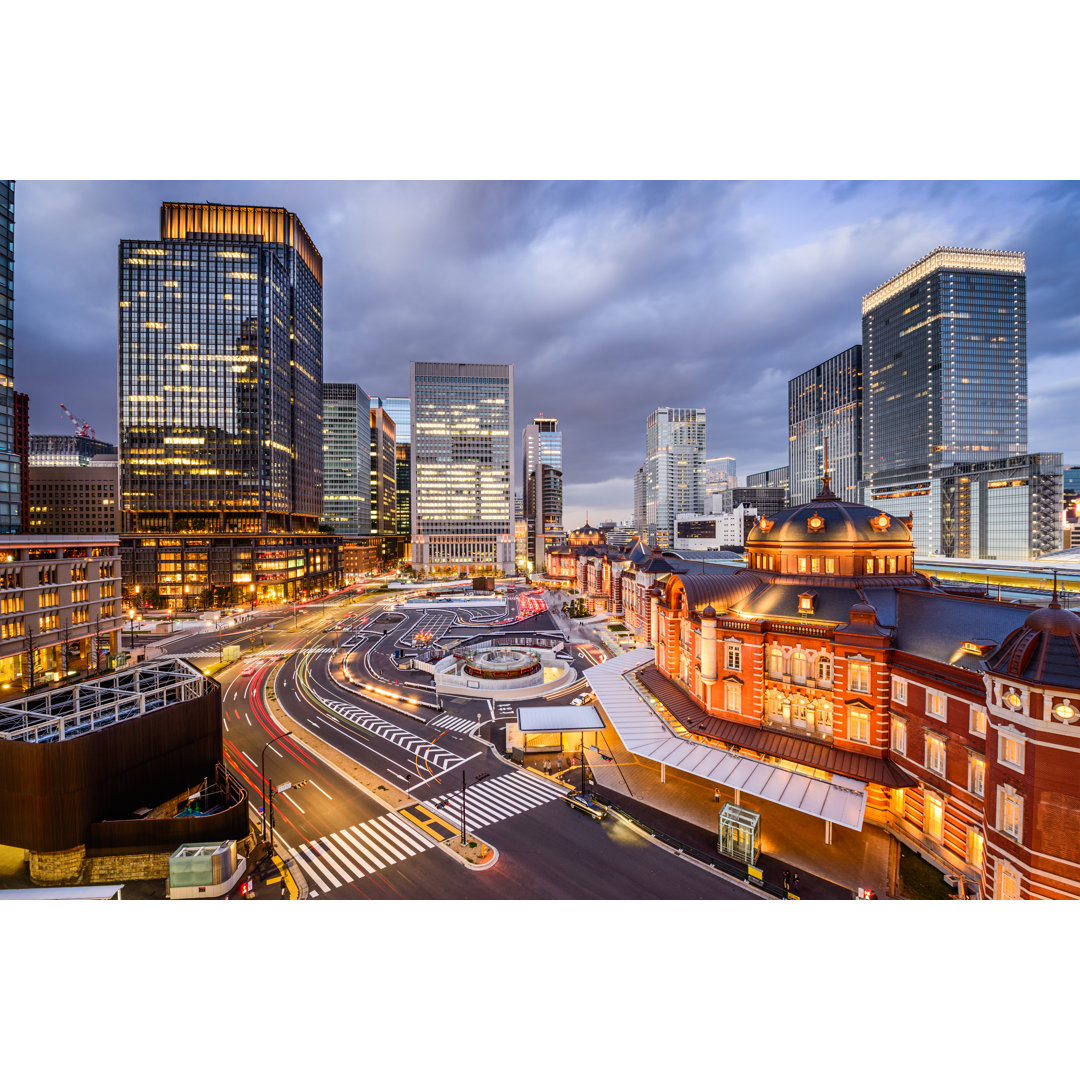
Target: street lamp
{"points": [[131, 628], [251, 596], [268, 800]]}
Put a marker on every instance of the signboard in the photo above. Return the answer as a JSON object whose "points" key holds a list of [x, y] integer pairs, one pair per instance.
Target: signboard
{"points": [[755, 877]]}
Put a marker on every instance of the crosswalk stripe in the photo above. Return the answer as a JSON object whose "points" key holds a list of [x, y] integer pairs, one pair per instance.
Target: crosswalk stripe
{"points": [[358, 852], [505, 788], [550, 789], [307, 868], [397, 850], [415, 836], [410, 847], [312, 856], [376, 843], [325, 851], [373, 851]]}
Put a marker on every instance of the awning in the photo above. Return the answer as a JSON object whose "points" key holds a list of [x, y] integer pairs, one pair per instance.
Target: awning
{"points": [[841, 801]]}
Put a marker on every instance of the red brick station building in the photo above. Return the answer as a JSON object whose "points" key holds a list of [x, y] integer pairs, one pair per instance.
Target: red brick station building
{"points": [[830, 654]]}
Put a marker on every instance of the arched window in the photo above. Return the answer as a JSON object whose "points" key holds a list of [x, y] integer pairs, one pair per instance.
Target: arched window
{"points": [[824, 669], [800, 666], [776, 661]]}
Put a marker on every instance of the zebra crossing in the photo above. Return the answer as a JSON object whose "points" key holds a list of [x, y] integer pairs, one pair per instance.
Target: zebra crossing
{"points": [[449, 722], [437, 757], [495, 799], [359, 850]]}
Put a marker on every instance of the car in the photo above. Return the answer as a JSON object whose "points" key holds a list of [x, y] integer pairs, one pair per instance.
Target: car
{"points": [[583, 699], [586, 805]]}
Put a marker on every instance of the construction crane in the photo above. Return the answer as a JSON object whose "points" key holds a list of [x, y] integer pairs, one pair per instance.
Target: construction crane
{"points": [[82, 427]]}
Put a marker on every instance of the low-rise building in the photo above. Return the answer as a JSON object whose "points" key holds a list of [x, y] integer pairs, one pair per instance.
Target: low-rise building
{"points": [[74, 499]]}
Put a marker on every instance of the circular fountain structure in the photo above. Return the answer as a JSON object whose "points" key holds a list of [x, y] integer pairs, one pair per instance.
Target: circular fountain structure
{"points": [[502, 664]]}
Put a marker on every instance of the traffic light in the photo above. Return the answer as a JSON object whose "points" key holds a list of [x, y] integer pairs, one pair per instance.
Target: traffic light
{"points": [[301, 783]]}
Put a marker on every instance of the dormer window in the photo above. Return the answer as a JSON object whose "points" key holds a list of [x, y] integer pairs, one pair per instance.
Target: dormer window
{"points": [[806, 603]]}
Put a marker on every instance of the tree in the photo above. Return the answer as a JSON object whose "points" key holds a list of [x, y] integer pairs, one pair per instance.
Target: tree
{"points": [[29, 639]]}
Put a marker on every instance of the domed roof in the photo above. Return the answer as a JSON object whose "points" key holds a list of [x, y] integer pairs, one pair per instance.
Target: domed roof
{"points": [[1054, 620], [830, 522], [1045, 649]]}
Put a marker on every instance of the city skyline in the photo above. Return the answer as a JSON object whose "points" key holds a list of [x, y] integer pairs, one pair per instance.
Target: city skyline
{"points": [[601, 294]]}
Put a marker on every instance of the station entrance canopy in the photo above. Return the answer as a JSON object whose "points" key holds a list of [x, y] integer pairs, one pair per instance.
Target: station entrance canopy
{"points": [[841, 801]]}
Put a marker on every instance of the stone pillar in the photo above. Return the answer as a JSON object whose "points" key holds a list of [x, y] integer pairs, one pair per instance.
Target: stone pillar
{"points": [[708, 646]]}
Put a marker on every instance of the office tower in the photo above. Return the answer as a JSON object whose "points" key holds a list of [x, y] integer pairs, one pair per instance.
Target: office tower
{"points": [[719, 474], [346, 419], [772, 478], [220, 392], [399, 409], [674, 470], [945, 355], [67, 450], [10, 473], [383, 473], [75, 500], [1009, 508], [639, 522], [463, 468], [541, 478], [826, 403], [21, 403]]}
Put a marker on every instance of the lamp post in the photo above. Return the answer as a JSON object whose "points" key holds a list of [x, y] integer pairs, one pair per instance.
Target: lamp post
{"points": [[251, 596], [131, 629], [268, 800]]}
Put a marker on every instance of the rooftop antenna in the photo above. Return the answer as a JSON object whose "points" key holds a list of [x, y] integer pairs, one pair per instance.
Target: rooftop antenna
{"points": [[1054, 599]]}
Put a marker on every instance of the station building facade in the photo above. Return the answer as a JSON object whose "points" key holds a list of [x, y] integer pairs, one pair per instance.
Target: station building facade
{"points": [[830, 654]]}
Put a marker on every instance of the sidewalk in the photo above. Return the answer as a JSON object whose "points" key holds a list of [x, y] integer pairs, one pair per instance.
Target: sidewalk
{"points": [[686, 807]]}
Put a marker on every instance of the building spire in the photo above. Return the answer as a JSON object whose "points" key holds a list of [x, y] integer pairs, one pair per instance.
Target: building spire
{"points": [[826, 492], [1054, 599]]}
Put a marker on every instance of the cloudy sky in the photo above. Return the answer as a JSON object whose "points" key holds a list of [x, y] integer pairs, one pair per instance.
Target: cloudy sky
{"points": [[609, 298]]}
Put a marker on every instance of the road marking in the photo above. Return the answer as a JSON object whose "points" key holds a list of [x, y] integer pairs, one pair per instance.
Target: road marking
{"points": [[249, 757], [355, 854], [431, 820], [316, 786], [275, 750], [395, 825], [377, 843], [225, 721], [294, 802], [394, 842], [309, 858], [325, 851]]}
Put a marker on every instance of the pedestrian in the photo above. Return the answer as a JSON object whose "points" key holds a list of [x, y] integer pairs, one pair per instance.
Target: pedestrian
{"points": [[787, 881], [796, 883], [716, 795]]}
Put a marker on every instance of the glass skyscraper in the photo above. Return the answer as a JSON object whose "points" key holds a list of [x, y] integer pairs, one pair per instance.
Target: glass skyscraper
{"points": [[346, 459], [674, 470], [220, 397], [399, 409], [945, 361], [463, 468], [383, 474], [542, 491], [826, 403], [10, 471]]}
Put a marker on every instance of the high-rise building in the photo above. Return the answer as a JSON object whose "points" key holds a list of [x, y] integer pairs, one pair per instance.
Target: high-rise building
{"points": [[67, 450], [220, 394], [383, 473], [21, 403], [772, 478], [463, 468], [674, 470], [639, 523], [945, 354], [541, 478], [75, 500], [346, 413], [10, 472], [399, 409], [719, 474], [825, 403], [1005, 509]]}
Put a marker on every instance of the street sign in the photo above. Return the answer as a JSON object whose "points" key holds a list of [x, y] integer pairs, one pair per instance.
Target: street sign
{"points": [[283, 787]]}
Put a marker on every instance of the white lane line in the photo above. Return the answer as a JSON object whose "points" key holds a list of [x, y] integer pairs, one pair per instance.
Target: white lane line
{"points": [[314, 785], [249, 757], [343, 854], [224, 721], [398, 775], [394, 842], [372, 838], [275, 750], [415, 836], [294, 802], [311, 857], [308, 869], [248, 719], [324, 853]]}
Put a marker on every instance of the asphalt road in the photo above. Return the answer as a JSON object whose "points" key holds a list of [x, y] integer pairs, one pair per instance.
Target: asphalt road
{"points": [[350, 845]]}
